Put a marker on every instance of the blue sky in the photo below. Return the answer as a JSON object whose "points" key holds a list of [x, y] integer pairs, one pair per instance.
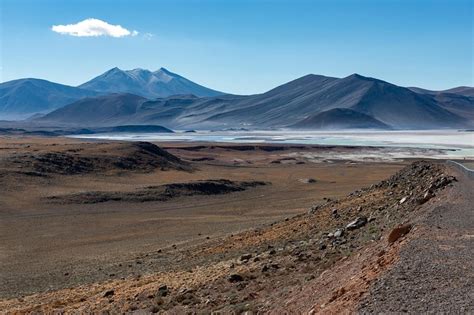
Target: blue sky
{"points": [[245, 46]]}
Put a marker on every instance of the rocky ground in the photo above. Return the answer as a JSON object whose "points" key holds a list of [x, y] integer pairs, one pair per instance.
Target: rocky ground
{"points": [[435, 272], [337, 257]]}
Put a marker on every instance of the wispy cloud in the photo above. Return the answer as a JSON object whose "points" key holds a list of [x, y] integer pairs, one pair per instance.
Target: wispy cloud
{"points": [[148, 36], [93, 27]]}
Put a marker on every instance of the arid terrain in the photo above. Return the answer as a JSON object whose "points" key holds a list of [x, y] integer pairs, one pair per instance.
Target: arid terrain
{"points": [[89, 226]]}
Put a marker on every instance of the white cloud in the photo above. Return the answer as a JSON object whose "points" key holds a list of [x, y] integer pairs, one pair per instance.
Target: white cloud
{"points": [[148, 36], [93, 27]]}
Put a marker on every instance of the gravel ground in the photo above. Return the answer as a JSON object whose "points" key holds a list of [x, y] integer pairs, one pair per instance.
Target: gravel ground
{"points": [[435, 273]]}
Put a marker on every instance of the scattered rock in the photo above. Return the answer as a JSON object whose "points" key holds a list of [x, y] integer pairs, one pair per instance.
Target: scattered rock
{"points": [[163, 290], [245, 257], [109, 293], [336, 294], [308, 180], [357, 223], [338, 233], [398, 232], [235, 278], [313, 209], [154, 309], [403, 200], [426, 196]]}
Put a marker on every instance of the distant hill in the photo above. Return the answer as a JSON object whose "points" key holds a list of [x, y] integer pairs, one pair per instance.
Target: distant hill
{"points": [[293, 102], [29, 96], [459, 100], [133, 128], [340, 118], [302, 102], [105, 110], [161, 83], [460, 90]]}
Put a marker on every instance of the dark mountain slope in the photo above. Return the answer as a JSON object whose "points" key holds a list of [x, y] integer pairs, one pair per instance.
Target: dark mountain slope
{"points": [[105, 110], [302, 98], [293, 101], [459, 101], [460, 90], [403, 108], [457, 104], [340, 118], [30, 96]]}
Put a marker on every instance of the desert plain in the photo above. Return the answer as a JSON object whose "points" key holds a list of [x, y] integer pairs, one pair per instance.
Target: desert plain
{"points": [[79, 217]]}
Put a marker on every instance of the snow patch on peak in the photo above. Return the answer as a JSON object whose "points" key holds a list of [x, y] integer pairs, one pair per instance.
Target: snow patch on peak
{"points": [[163, 75]]}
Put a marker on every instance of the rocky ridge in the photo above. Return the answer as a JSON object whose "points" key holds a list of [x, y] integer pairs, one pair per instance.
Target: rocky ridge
{"points": [[160, 192], [104, 157]]}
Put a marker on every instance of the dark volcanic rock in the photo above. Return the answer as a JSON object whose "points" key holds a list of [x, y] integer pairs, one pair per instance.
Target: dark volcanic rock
{"points": [[357, 223], [235, 278], [245, 257], [163, 290]]}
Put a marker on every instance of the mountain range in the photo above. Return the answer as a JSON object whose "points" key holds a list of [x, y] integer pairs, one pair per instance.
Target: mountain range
{"points": [[26, 97], [142, 97]]}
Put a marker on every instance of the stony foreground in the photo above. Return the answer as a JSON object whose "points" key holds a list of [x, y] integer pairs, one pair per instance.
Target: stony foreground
{"points": [[340, 256]]}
